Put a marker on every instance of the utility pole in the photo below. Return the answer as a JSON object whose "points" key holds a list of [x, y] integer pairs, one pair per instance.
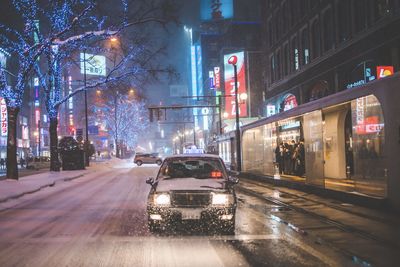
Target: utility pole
{"points": [[86, 112], [39, 145]]}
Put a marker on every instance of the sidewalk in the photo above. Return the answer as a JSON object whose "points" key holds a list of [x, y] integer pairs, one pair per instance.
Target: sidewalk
{"points": [[11, 189]]}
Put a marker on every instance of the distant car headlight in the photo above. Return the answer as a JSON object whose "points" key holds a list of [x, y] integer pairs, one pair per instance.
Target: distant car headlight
{"points": [[221, 199], [162, 199]]}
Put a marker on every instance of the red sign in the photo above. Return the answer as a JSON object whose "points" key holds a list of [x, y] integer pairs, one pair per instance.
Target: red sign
{"points": [[230, 107], [369, 125], [217, 78], [383, 71], [290, 102]]}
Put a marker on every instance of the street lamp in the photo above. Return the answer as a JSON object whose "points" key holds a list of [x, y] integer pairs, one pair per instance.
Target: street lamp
{"points": [[233, 61]]}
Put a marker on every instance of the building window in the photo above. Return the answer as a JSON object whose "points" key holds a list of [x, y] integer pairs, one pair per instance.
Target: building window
{"points": [[286, 60], [270, 32], [305, 45], [295, 54], [272, 74], [313, 3], [328, 32], [284, 17], [316, 39], [293, 13], [303, 8], [278, 64], [344, 20], [381, 8], [359, 15]]}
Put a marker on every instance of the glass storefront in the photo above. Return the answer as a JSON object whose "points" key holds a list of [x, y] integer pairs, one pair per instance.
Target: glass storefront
{"points": [[340, 146]]}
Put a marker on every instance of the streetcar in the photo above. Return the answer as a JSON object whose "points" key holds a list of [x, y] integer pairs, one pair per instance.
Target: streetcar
{"points": [[352, 137]]}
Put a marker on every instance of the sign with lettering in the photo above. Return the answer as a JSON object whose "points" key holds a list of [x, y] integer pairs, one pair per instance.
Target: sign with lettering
{"points": [[384, 71], [217, 78], [3, 110], [95, 65], [230, 104]]}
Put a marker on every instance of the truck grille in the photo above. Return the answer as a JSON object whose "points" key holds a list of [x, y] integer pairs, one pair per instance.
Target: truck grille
{"points": [[190, 199]]}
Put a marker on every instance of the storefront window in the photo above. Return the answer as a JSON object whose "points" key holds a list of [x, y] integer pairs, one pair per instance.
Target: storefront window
{"points": [[368, 138]]}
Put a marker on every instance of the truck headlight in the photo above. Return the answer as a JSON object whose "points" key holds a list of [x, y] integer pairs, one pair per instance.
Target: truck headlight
{"points": [[162, 199], [221, 199]]}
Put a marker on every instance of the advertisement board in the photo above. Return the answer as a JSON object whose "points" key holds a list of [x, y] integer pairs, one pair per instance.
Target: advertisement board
{"points": [[384, 71], [95, 64], [230, 107], [217, 78], [216, 9], [3, 109]]}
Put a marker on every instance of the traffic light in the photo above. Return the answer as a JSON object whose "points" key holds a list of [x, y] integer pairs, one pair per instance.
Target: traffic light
{"points": [[160, 114]]}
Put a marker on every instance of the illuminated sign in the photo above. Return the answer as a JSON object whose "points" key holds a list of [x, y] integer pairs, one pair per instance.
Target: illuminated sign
{"points": [[289, 102], [270, 110], [211, 77], [95, 65], [3, 110], [383, 71], [216, 9], [369, 125], [217, 78], [193, 69], [230, 107], [199, 66], [290, 125]]}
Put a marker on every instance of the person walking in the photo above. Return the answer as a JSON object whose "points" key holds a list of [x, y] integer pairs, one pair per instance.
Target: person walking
{"points": [[279, 157], [2, 163], [22, 162]]}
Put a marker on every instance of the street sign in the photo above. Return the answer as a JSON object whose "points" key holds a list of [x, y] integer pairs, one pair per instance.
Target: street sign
{"points": [[93, 129], [79, 132]]}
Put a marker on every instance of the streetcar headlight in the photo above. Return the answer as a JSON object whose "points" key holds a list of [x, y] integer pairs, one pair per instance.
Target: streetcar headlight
{"points": [[162, 199], [221, 199]]}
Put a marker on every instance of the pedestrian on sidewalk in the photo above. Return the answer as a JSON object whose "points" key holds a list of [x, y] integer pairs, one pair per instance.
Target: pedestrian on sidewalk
{"points": [[2, 163], [22, 162]]}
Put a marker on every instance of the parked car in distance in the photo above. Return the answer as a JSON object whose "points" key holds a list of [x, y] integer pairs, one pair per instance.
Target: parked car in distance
{"points": [[193, 188], [147, 158]]}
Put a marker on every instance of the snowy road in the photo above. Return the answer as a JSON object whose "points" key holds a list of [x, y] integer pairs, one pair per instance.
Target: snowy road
{"points": [[100, 220]]}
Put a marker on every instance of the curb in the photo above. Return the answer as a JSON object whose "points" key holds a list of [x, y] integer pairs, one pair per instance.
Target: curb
{"points": [[40, 188]]}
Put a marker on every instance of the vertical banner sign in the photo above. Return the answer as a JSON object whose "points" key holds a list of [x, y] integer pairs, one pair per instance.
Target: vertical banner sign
{"points": [[229, 76], [3, 109], [36, 90], [217, 78], [211, 78]]}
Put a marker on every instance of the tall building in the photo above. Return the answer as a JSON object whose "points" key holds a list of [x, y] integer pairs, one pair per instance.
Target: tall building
{"points": [[314, 48], [227, 28]]}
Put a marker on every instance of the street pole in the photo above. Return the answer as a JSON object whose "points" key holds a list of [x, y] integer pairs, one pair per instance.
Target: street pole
{"points": [[220, 114], [86, 112], [39, 138], [238, 153]]}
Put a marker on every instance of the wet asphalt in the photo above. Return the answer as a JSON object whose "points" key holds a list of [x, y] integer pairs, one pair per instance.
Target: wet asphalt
{"points": [[100, 220]]}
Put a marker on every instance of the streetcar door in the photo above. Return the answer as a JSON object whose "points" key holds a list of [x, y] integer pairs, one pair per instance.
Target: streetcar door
{"points": [[313, 142]]}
